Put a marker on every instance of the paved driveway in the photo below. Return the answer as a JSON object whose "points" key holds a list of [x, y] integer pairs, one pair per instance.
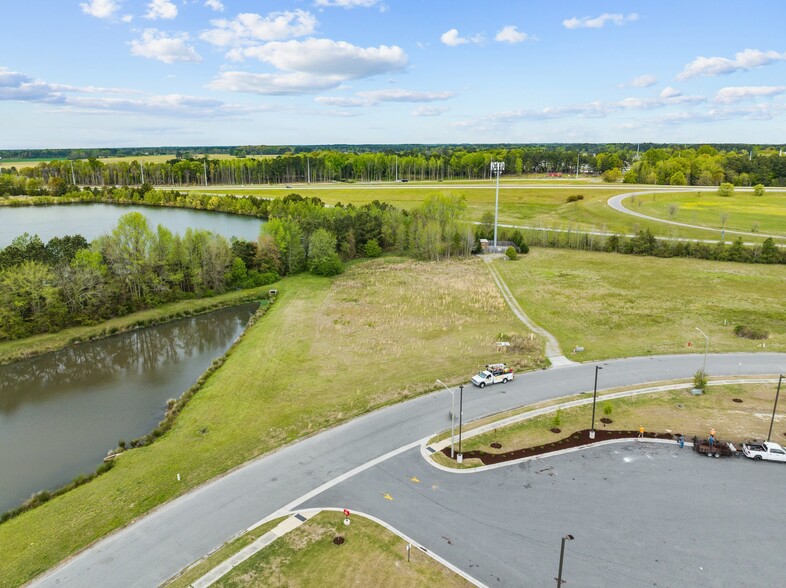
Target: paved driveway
{"points": [[642, 515]]}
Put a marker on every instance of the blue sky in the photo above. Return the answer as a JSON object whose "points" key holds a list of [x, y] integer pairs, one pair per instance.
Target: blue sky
{"points": [[93, 73]]}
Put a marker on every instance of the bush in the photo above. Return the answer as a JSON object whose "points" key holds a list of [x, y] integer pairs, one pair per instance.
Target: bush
{"points": [[700, 379], [575, 197], [607, 408], [747, 332], [372, 248], [726, 189], [556, 421], [330, 266], [511, 253]]}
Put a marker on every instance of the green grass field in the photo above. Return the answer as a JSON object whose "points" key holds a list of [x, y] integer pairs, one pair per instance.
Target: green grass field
{"points": [[369, 556], [622, 305], [538, 205], [741, 212], [677, 411], [413, 322]]}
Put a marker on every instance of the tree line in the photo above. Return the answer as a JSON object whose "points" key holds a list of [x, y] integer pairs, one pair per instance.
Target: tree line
{"points": [[695, 166]]}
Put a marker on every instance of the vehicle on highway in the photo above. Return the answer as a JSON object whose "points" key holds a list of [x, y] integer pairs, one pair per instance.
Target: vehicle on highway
{"points": [[493, 374], [767, 450]]}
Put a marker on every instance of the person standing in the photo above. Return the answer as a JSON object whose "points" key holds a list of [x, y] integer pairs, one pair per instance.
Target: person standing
{"points": [[641, 431]]}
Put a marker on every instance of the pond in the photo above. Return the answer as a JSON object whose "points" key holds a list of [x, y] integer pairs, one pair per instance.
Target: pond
{"points": [[61, 412], [94, 220]]}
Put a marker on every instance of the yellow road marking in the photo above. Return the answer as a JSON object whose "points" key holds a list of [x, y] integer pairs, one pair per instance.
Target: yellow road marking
{"points": [[414, 479], [387, 496]]}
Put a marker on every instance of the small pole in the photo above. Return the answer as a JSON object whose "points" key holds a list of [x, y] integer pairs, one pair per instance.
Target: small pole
{"points": [[561, 558], [774, 408], [594, 399], [461, 412], [409, 549]]}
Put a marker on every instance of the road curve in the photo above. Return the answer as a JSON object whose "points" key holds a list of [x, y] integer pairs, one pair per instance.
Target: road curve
{"points": [[615, 202], [158, 545]]}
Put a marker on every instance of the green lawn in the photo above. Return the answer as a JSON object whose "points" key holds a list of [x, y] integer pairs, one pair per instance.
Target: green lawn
{"points": [[413, 322], [622, 305], [677, 411], [741, 212], [536, 206], [369, 556]]}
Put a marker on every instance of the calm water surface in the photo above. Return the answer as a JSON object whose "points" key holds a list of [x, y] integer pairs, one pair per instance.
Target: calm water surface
{"points": [[61, 412], [94, 220]]}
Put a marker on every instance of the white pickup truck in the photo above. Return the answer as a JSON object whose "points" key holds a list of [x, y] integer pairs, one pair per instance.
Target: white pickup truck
{"points": [[494, 373], [767, 450]]}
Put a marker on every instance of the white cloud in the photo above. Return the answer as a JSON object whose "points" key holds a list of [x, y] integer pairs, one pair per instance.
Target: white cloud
{"points": [[349, 3], [216, 5], [644, 81], [598, 22], [326, 57], [161, 9], [510, 34], [21, 87], [743, 61], [669, 92], [374, 97], [340, 101], [428, 111], [274, 84], [248, 28], [156, 44], [100, 8], [733, 94], [452, 38], [127, 18], [397, 95]]}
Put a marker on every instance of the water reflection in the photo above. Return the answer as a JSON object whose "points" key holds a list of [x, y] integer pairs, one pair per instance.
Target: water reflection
{"points": [[61, 412]]}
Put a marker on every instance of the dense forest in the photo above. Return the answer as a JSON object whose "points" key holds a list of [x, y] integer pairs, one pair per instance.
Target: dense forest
{"points": [[694, 166]]}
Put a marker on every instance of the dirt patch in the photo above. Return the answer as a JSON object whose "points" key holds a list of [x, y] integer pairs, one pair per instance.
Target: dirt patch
{"points": [[606, 421], [738, 400], [577, 439], [556, 430], [496, 445], [338, 540]]}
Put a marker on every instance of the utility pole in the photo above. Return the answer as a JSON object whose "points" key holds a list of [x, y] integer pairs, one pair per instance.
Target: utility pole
{"points": [[774, 408], [496, 166], [73, 177], [205, 163]]}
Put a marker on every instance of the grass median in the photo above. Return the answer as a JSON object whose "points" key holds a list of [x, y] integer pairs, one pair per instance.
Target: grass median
{"points": [[616, 305], [369, 555], [305, 366], [736, 411]]}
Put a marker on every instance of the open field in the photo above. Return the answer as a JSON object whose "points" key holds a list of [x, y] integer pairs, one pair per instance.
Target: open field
{"points": [[370, 556], [413, 322], [622, 305], [741, 212], [536, 205], [678, 411]]}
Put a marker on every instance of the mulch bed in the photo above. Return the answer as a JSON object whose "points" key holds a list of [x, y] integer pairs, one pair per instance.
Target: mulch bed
{"points": [[575, 440]]}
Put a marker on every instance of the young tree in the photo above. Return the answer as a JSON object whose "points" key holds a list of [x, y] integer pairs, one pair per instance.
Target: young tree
{"points": [[726, 189], [758, 190], [322, 257]]}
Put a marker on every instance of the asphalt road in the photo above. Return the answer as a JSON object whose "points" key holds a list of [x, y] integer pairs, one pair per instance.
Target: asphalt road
{"points": [[159, 545], [642, 515]]}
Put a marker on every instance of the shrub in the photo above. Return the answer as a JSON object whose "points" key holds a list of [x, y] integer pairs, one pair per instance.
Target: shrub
{"points": [[575, 197], [372, 248], [330, 266], [524, 248], [747, 332], [726, 189], [700, 379], [607, 408], [556, 421], [511, 253]]}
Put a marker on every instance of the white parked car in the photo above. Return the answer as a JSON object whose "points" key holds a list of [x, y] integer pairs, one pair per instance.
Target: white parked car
{"points": [[767, 450]]}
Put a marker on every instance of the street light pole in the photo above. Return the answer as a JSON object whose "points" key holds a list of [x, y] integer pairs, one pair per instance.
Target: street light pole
{"points": [[774, 408], [452, 415], [461, 415], [594, 399], [578, 156], [561, 558], [706, 348], [496, 167]]}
